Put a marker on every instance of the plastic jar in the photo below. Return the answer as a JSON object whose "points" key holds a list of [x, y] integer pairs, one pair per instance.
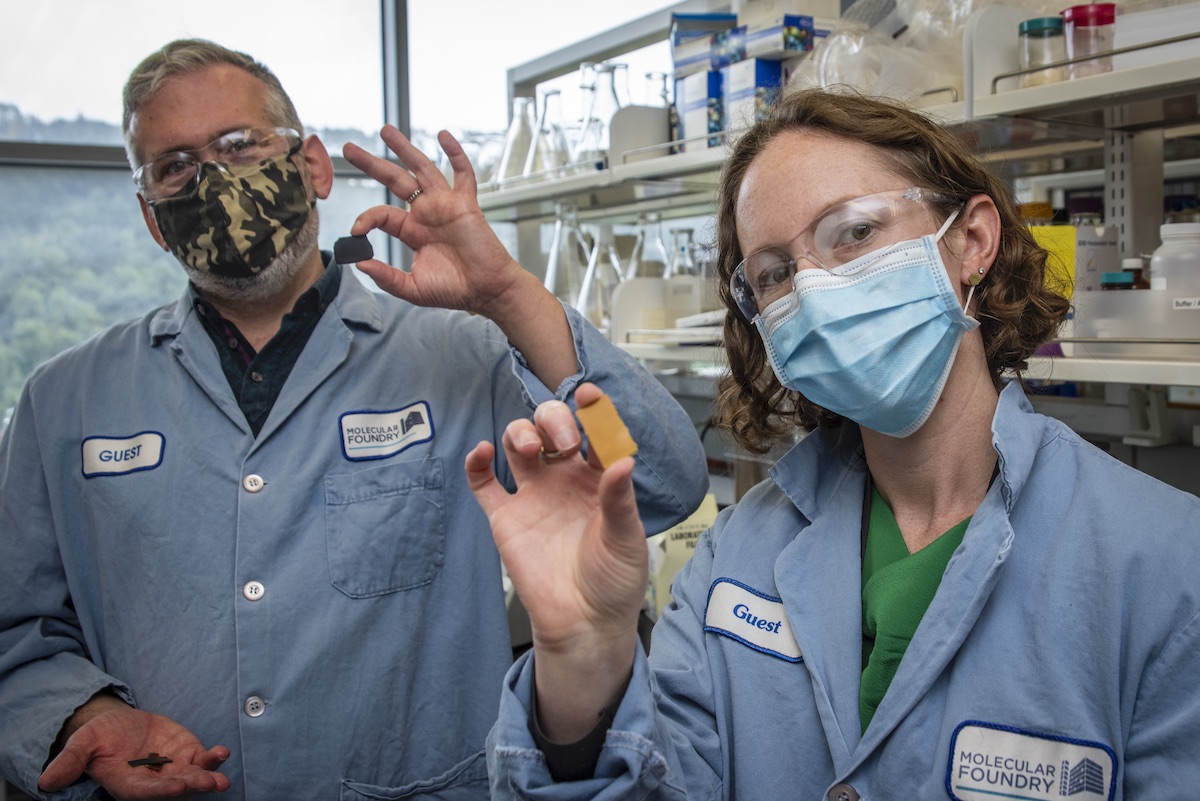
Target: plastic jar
{"points": [[1042, 42], [1175, 265], [1089, 31]]}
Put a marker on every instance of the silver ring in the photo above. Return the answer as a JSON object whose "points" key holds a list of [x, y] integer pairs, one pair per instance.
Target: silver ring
{"points": [[414, 195], [552, 456]]}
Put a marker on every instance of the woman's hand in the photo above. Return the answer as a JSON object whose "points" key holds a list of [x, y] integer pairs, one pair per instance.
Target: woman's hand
{"points": [[576, 552]]}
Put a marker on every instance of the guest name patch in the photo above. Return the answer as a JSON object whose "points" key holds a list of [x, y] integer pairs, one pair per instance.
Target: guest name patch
{"points": [[989, 761], [750, 617], [377, 435], [114, 456]]}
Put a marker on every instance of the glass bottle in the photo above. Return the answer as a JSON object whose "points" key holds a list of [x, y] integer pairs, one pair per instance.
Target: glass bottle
{"points": [[649, 258], [517, 141], [682, 259], [591, 151], [548, 153], [601, 277], [1088, 31], [569, 252], [1042, 42]]}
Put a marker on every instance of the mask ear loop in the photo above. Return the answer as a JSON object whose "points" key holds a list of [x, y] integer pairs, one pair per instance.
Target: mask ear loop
{"points": [[974, 281]]}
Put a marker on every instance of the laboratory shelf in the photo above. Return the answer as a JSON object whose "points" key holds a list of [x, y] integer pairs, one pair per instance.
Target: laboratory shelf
{"points": [[1115, 371], [1164, 372], [1152, 87]]}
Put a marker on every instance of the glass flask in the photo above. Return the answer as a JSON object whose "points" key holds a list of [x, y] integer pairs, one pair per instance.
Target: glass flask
{"points": [[517, 141], [683, 261], [649, 258], [591, 151], [657, 93], [548, 153], [569, 252], [601, 277]]}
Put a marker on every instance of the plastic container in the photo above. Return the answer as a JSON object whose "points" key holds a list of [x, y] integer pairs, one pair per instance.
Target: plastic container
{"points": [[1121, 280], [1089, 31], [1175, 265], [1086, 210], [1170, 309], [1042, 41]]}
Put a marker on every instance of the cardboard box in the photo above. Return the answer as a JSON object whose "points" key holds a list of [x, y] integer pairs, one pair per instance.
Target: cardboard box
{"points": [[670, 550], [752, 13], [1078, 255], [778, 40], [692, 40], [751, 89], [698, 102]]}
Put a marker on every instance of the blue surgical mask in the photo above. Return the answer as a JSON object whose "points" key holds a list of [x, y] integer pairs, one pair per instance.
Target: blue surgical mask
{"points": [[872, 340]]}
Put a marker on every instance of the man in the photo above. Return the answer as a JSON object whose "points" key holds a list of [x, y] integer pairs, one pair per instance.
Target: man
{"points": [[237, 546]]}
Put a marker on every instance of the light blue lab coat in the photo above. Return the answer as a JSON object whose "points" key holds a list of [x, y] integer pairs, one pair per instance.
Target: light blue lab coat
{"points": [[1060, 656], [324, 599]]}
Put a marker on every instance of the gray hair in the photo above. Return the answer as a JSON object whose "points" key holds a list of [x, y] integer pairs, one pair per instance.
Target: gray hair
{"points": [[185, 56]]}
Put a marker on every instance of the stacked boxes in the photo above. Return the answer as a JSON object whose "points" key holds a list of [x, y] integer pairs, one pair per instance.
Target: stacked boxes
{"points": [[698, 101], [730, 69]]}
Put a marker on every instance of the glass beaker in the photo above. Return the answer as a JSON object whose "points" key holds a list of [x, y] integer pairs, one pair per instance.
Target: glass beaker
{"points": [[649, 258], [517, 141], [569, 252], [548, 153], [601, 277], [683, 261]]}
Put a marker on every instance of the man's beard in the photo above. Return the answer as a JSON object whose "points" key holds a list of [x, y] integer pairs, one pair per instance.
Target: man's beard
{"points": [[268, 282]]}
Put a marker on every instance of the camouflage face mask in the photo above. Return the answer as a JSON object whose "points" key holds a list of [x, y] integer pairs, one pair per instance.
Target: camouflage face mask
{"points": [[238, 219]]}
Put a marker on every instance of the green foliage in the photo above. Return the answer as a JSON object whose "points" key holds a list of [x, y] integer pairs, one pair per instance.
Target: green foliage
{"points": [[75, 257]]}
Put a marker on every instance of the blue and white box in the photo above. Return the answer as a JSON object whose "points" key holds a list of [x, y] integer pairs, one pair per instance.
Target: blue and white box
{"points": [[698, 102], [751, 90]]}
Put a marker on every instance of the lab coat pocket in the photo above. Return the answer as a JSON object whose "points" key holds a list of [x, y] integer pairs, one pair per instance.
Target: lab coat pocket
{"points": [[385, 527], [466, 781]]}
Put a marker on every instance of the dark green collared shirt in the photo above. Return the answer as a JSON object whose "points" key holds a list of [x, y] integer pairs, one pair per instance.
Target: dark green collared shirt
{"points": [[258, 377]]}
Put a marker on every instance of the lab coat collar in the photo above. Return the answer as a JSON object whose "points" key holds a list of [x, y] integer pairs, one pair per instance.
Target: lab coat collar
{"points": [[355, 304]]}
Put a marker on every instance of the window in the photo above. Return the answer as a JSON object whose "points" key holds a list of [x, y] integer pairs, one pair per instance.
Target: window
{"points": [[76, 253]]}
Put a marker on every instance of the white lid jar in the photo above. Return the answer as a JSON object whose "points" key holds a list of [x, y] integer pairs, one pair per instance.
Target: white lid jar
{"points": [[1175, 265]]}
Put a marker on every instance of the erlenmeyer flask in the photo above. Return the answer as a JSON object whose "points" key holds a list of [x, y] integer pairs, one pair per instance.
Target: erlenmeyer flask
{"points": [[548, 153], [682, 260], [621, 85], [517, 141], [649, 258], [591, 151], [569, 252], [656, 89], [600, 279]]}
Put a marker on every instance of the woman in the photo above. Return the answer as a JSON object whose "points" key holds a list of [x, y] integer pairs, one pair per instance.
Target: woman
{"points": [[938, 593]]}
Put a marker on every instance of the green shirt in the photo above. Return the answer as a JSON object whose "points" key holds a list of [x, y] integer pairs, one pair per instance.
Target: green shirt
{"points": [[897, 588]]}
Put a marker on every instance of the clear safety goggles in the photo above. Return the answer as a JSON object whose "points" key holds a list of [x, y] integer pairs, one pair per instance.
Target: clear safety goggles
{"points": [[176, 173], [842, 234]]}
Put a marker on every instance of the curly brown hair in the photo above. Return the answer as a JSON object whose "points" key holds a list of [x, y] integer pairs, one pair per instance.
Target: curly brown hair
{"points": [[1017, 310]]}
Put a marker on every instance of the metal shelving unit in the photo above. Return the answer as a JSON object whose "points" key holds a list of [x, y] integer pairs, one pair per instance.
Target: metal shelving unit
{"points": [[1116, 122]]}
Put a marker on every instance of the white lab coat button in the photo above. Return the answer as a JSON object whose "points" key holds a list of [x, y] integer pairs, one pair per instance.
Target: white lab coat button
{"points": [[254, 590], [253, 483], [842, 792], [255, 706]]}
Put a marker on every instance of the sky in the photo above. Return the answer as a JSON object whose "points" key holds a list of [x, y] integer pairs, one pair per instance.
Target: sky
{"points": [[63, 58]]}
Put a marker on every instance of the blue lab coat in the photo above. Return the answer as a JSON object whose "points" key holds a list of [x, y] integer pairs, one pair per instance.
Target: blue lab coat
{"points": [[1059, 658], [324, 599]]}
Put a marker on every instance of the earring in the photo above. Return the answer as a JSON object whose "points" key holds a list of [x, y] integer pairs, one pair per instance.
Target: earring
{"points": [[975, 279]]}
